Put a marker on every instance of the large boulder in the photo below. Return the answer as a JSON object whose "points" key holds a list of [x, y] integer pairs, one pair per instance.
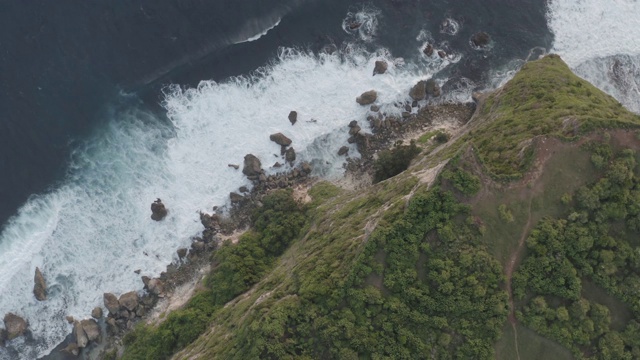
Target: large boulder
{"points": [[72, 348], [252, 165], [40, 286], [156, 287], [15, 325], [280, 139], [290, 155], [158, 210], [96, 313], [129, 300], [419, 90], [81, 336], [432, 88], [293, 117], [111, 303], [380, 67], [91, 329], [480, 39], [367, 97]]}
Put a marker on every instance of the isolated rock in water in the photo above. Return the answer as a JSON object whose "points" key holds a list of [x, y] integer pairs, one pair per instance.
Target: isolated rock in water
{"points": [[252, 165], [129, 300], [111, 303], [280, 139], [380, 67], [432, 88], [290, 155], [343, 151], [96, 313], [158, 211], [480, 39], [235, 197], [419, 90], [81, 337], [91, 329], [428, 50], [374, 108], [243, 189], [72, 349], [293, 117], [442, 54], [368, 97], [15, 325], [40, 286]]}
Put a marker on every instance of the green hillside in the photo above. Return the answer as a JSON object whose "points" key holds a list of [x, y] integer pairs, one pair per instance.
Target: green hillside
{"points": [[524, 246]]}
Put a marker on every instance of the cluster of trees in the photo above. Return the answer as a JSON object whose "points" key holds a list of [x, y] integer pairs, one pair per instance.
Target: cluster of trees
{"points": [[596, 241], [236, 268], [394, 161]]}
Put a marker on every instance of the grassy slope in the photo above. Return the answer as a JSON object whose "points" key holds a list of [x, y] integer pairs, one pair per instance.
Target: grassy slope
{"points": [[544, 98]]}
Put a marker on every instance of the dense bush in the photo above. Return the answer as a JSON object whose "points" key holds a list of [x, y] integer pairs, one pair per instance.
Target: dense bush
{"points": [[392, 162]]}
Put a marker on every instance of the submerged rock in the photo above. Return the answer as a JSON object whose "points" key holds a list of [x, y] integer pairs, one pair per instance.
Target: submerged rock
{"points": [[480, 39], [158, 210], [252, 165], [343, 151], [280, 139], [293, 117], [367, 97], [15, 326], [290, 155], [40, 286], [380, 67]]}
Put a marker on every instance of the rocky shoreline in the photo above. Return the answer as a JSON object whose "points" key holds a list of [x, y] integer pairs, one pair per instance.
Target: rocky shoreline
{"points": [[100, 336]]}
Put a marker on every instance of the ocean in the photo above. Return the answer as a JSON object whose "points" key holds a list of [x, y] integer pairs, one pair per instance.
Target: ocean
{"points": [[106, 106]]}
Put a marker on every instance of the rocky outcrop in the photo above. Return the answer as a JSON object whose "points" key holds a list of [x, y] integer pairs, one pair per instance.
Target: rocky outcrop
{"points": [[182, 252], [343, 151], [96, 313], [155, 287], [15, 326], [428, 50], [235, 197], [40, 286], [419, 90], [91, 329], [280, 139], [158, 210], [111, 303], [380, 67], [81, 337], [480, 39], [367, 97], [293, 117], [252, 165], [72, 348], [432, 88], [290, 155], [129, 300]]}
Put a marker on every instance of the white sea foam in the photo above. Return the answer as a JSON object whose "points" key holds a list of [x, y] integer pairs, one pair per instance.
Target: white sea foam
{"points": [[91, 233], [261, 34], [363, 22], [600, 40]]}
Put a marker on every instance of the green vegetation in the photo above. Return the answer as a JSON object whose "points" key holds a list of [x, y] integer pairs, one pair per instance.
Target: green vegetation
{"points": [[392, 162], [439, 136], [463, 181]]}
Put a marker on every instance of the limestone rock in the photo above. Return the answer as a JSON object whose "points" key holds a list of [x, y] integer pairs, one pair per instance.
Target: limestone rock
{"points": [[40, 286], [290, 155], [129, 300], [280, 139], [252, 165], [158, 210], [111, 303], [367, 98], [96, 313], [15, 325], [81, 337], [480, 39], [293, 117], [380, 67], [419, 90], [91, 329], [343, 151]]}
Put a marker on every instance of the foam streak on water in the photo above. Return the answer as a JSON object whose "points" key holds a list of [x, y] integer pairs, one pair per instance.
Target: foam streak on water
{"points": [[600, 40], [91, 233]]}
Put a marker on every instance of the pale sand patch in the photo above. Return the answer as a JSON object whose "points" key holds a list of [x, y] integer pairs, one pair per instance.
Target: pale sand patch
{"points": [[353, 182], [234, 237], [427, 176], [301, 194]]}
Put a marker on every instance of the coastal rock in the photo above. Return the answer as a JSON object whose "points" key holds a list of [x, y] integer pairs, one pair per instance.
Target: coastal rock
{"points": [[293, 117], [156, 287], [480, 39], [252, 165], [419, 90], [182, 252], [428, 50], [380, 67], [343, 151], [290, 155], [158, 210], [96, 313], [70, 319], [277, 165], [15, 326], [235, 197], [72, 349], [243, 189], [81, 337], [111, 303], [129, 300], [91, 329], [367, 97], [196, 246], [354, 130], [442, 54], [40, 286], [374, 108], [432, 88], [353, 123], [280, 139]]}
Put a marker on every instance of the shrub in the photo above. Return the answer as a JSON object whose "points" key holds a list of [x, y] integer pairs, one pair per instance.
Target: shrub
{"points": [[392, 162]]}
